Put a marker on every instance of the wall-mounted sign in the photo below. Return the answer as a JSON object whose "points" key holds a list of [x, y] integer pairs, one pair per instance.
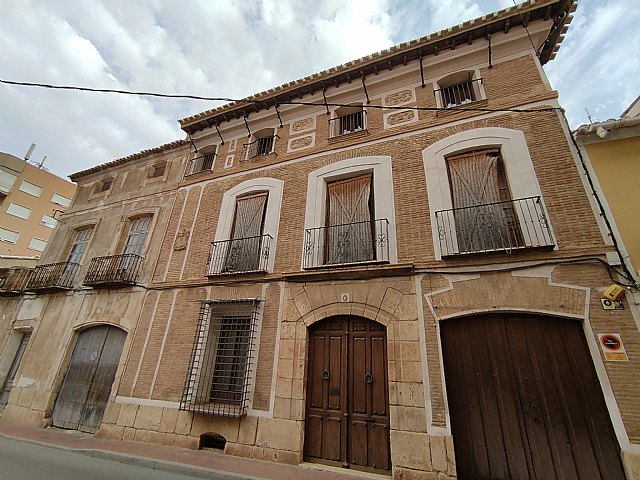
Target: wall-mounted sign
{"points": [[611, 304], [612, 347]]}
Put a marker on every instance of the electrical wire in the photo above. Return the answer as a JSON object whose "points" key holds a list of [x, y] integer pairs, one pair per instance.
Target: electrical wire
{"points": [[526, 28], [262, 102]]}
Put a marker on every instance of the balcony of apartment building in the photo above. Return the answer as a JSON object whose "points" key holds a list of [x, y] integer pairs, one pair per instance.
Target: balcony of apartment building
{"points": [[52, 277], [113, 271], [504, 226], [201, 163], [14, 281], [245, 254]]}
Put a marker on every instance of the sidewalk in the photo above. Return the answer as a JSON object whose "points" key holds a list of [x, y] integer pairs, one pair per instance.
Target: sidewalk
{"points": [[197, 463]]}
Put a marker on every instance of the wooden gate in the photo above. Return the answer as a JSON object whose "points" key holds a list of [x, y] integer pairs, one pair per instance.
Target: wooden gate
{"points": [[347, 420], [525, 401], [89, 378]]}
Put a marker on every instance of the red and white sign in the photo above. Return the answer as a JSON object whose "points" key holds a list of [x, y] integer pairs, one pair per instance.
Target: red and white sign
{"points": [[612, 347]]}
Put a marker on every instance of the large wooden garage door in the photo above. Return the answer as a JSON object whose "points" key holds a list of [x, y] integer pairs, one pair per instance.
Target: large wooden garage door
{"points": [[524, 400], [347, 421], [89, 378]]}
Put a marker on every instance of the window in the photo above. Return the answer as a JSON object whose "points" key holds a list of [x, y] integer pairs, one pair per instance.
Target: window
{"points": [[204, 161], [222, 357], [19, 211], [60, 200], [157, 170], [459, 88], [247, 227], [79, 245], [30, 188], [6, 181], [104, 185], [350, 215], [13, 369], [49, 221], [263, 143], [243, 251], [137, 236], [484, 194], [8, 236], [37, 244], [347, 119]]}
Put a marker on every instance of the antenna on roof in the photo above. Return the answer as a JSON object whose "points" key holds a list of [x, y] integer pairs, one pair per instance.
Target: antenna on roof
{"points": [[39, 165], [588, 115], [29, 152]]}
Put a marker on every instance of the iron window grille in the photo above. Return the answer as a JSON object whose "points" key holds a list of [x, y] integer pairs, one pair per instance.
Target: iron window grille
{"points": [[222, 358], [14, 280], [458, 94], [113, 270], [54, 276], [348, 123], [241, 255], [496, 226]]}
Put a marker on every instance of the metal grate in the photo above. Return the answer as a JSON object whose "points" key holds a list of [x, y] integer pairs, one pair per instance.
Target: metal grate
{"points": [[54, 276], [260, 146], [201, 164], [14, 280], [240, 255], [349, 123], [222, 358], [458, 94], [113, 270]]}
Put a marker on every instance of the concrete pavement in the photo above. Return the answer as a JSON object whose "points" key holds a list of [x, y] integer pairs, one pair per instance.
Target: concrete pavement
{"points": [[195, 463]]}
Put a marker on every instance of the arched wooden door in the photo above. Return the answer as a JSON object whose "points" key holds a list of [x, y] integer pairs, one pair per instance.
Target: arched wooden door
{"points": [[347, 417], [525, 401], [89, 378]]}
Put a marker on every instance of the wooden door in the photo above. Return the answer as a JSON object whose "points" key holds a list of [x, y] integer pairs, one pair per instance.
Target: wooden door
{"points": [[525, 401], [89, 378], [347, 421]]}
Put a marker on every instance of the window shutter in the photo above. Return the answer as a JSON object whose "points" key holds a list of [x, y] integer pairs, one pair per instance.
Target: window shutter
{"points": [[243, 253]]}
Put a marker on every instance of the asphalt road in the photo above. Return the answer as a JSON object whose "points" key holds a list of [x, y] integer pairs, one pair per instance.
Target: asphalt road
{"points": [[26, 461]]}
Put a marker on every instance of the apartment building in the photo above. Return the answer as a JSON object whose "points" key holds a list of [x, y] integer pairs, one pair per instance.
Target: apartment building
{"points": [[390, 266], [31, 201]]}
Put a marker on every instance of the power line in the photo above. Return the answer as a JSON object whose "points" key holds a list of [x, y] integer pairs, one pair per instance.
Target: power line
{"points": [[261, 102]]}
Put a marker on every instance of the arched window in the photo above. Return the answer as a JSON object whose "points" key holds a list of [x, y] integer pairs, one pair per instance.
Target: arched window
{"points": [[347, 119], [261, 142], [459, 88]]}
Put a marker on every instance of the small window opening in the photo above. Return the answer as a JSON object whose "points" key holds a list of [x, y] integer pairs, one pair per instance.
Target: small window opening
{"points": [[158, 170], [348, 119], [458, 88], [262, 143], [104, 185], [212, 440]]}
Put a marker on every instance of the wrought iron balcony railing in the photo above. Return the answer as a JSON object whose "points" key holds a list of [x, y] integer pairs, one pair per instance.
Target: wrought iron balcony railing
{"points": [[14, 281], [114, 270], [240, 255], [201, 164], [348, 243], [54, 276], [260, 146], [508, 225], [458, 94], [344, 124]]}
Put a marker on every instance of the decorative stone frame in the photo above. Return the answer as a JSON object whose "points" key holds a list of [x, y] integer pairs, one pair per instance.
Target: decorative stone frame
{"points": [[384, 205], [272, 215], [521, 175]]}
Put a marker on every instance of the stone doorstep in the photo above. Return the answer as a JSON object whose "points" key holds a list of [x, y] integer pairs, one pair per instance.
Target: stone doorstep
{"points": [[196, 463]]}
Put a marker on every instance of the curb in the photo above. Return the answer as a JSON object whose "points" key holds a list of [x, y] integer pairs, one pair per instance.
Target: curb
{"points": [[144, 462]]}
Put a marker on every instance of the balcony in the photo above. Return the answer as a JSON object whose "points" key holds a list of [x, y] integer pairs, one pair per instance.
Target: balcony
{"points": [[113, 271], [52, 277], [347, 244], [13, 281], [200, 164], [500, 226], [242, 255]]}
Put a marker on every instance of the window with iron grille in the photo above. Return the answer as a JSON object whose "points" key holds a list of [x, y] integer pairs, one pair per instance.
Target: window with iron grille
{"points": [[458, 88], [222, 358]]}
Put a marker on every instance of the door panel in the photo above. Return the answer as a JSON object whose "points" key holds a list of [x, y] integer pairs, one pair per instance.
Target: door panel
{"points": [[347, 395], [89, 378], [525, 401]]}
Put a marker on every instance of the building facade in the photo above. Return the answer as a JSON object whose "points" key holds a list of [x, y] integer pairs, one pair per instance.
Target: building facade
{"points": [[389, 266], [31, 201]]}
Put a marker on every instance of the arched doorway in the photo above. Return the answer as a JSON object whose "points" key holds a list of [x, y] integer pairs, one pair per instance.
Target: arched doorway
{"points": [[525, 401], [347, 416], [89, 378]]}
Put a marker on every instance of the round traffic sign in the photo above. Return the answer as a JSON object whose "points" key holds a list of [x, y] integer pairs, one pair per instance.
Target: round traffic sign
{"points": [[611, 342]]}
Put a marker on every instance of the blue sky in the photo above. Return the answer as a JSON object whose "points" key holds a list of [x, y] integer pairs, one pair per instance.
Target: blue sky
{"points": [[237, 48]]}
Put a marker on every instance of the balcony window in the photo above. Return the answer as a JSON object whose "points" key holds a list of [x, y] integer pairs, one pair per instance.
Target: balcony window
{"points": [[458, 89], [248, 248], [262, 143], [202, 163], [14, 280], [222, 359], [347, 120], [351, 233]]}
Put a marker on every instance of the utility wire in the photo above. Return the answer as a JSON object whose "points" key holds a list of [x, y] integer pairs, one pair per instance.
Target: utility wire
{"points": [[261, 102]]}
